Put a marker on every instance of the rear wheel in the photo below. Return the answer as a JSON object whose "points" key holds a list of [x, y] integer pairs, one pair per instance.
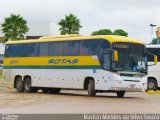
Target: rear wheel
{"points": [[121, 94], [19, 84], [91, 88], [27, 85], [152, 84]]}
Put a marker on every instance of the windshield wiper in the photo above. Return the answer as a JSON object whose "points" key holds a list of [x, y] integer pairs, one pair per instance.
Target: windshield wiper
{"points": [[118, 69]]}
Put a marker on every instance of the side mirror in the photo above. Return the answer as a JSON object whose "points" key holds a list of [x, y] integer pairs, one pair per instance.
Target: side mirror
{"points": [[155, 59], [115, 55]]}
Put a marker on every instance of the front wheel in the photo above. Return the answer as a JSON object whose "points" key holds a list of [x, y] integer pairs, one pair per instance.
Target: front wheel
{"points": [[91, 88], [121, 94], [152, 84]]}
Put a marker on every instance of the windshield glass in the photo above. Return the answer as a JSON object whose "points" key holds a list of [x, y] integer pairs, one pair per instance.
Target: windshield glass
{"points": [[131, 57]]}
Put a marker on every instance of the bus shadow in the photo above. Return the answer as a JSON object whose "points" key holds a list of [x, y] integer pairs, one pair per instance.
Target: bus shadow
{"points": [[82, 95], [97, 96]]}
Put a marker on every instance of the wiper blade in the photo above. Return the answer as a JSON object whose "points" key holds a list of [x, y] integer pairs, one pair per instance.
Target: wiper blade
{"points": [[118, 69]]}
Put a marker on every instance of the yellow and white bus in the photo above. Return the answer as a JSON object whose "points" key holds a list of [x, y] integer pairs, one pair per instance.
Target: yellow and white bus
{"points": [[104, 63], [153, 70]]}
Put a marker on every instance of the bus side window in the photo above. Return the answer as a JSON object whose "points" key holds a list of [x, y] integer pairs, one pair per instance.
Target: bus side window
{"points": [[43, 49], [55, 48], [20, 50], [71, 48], [103, 46], [89, 47], [106, 62]]}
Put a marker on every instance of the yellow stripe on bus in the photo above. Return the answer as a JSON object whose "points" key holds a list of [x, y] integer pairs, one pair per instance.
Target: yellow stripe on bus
{"points": [[52, 61]]}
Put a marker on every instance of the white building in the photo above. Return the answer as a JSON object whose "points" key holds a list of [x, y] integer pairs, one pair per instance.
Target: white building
{"points": [[37, 29], [40, 28], [1, 54], [1, 48]]}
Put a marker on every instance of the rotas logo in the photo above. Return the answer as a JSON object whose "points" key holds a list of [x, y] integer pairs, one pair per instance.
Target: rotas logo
{"points": [[62, 61]]}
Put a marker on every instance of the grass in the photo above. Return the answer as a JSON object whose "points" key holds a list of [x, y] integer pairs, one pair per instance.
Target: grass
{"points": [[0, 75]]}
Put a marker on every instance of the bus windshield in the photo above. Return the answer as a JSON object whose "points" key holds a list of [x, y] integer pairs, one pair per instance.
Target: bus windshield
{"points": [[131, 57]]}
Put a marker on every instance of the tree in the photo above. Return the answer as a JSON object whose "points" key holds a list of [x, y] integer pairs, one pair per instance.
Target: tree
{"points": [[1, 39], [69, 25], [14, 27], [102, 32], [120, 32], [109, 32], [154, 41]]}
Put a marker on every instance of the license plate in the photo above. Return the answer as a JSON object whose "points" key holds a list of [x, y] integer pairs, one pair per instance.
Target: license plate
{"points": [[132, 85]]}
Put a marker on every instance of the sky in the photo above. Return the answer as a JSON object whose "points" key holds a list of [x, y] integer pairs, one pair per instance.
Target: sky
{"points": [[133, 16]]}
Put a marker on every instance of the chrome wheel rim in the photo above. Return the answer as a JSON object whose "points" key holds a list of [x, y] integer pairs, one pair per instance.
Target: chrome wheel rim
{"points": [[151, 85]]}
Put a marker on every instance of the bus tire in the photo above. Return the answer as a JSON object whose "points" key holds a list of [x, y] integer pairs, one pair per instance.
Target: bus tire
{"points": [[152, 84], [121, 94], [27, 85], [91, 88], [55, 90], [19, 84]]}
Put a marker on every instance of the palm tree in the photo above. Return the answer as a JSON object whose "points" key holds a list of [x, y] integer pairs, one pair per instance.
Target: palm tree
{"points": [[69, 25], [14, 27]]}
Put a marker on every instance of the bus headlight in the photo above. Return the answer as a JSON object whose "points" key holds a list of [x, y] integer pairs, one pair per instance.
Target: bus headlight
{"points": [[118, 82]]}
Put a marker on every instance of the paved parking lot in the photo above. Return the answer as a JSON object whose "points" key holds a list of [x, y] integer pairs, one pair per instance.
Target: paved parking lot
{"points": [[69, 101]]}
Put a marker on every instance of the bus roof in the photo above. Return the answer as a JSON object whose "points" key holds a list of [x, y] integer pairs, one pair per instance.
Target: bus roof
{"points": [[110, 38]]}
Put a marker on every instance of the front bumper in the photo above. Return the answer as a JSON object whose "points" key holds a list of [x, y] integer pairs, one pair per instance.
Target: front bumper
{"points": [[129, 86]]}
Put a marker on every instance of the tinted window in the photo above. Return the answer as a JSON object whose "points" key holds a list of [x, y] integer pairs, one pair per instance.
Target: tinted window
{"points": [[71, 48], [106, 62], [20, 50], [89, 47], [43, 49], [55, 48], [68, 48], [103, 46], [155, 51]]}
